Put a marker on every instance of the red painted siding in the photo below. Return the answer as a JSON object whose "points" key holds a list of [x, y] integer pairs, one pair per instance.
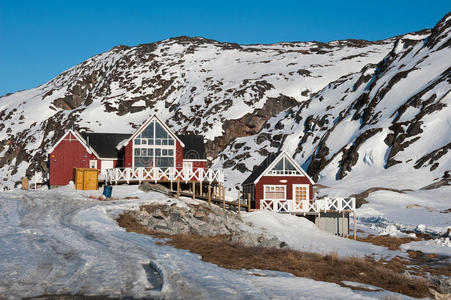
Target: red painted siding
{"points": [[178, 155], [128, 155], [67, 155], [259, 194], [199, 165]]}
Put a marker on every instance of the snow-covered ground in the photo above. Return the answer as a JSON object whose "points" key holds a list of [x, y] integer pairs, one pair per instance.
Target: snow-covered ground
{"points": [[62, 242]]}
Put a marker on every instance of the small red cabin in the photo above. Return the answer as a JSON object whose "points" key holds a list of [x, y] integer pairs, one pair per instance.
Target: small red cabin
{"points": [[278, 177], [152, 145]]}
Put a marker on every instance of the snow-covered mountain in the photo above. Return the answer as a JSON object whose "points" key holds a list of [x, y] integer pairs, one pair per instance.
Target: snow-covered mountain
{"points": [[386, 125], [343, 108]]}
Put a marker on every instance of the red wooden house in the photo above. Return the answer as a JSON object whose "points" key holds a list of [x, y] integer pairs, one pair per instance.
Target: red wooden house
{"points": [[152, 145], [278, 178]]}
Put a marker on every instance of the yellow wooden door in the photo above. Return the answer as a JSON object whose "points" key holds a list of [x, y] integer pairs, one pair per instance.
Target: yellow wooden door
{"points": [[300, 193], [90, 179], [78, 178]]}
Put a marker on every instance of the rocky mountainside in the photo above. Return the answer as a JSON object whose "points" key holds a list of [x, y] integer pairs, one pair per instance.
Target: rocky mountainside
{"points": [[386, 125], [320, 101], [221, 90]]}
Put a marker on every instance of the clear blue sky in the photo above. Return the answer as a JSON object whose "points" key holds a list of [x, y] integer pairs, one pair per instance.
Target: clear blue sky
{"points": [[40, 39]]}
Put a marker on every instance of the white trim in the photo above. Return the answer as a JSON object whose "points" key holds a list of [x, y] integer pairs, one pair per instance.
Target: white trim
{"points": [[295, 164], [301, 185], [144, 125], [79, 138], [275, 185], [93, 163]]}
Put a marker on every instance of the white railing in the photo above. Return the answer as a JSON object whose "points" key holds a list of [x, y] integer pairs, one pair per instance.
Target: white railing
{"points": [[116, 175], [306, 206]]}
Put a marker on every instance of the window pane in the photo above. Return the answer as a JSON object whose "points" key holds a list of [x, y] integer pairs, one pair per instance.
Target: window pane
{"points": [[143, 162], [148, 131], [164, 162], [165, 152], [170, 152], [171, 141], [137, 141], [289, 166], [274, 192], [157, 142], [160, 132], [137, 152], [144, 141], [278, 166], [150, 152], [157, 152], [164, 142], [143, 152]]}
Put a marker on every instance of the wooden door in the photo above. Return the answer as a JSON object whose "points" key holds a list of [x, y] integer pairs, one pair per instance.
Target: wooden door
{"points": [[300, 193]]}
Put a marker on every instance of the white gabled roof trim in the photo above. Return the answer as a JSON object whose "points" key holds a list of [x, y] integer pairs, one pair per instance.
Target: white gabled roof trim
{"points": [[79, 138], [144, 125], [295, 164]]}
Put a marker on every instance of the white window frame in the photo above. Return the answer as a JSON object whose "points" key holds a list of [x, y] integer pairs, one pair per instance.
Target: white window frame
{"points": [[275, 185], [154, 146], [285, 172], [93, 162]]}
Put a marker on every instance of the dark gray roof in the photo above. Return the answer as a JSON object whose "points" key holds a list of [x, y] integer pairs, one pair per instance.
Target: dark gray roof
{"points": [[105, 143], [258, 170], [194, 146]]}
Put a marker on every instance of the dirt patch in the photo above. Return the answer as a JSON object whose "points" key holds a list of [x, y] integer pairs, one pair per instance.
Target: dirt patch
{"points": [[222, 252]]}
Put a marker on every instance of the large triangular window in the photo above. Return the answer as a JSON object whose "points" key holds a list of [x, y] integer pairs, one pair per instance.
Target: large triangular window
{"points": [[154, 147], [284, 167]]}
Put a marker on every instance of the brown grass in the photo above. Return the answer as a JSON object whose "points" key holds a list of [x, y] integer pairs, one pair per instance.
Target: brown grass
{"points": [[220, 251], [390, 242]]}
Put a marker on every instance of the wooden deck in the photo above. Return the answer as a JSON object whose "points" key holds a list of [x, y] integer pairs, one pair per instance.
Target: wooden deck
{"points": [[119, 175]]}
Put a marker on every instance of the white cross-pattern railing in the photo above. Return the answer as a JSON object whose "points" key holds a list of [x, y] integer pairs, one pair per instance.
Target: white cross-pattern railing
{"points": [[307, 206], [117, 175]]}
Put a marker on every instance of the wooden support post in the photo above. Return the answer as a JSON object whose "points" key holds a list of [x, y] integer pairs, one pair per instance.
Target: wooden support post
{"points": [[194, 190], [171, 186], [200, 188], [249, 202], [319, 219], [209, 195], [355, 226], [221, 190], [343, 224], [239, 203], [178, 188]]}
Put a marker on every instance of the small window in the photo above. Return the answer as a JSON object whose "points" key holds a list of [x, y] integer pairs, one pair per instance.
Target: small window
{"points": [[170, 152], [171, 142], [144, 152], [144, 141], [93, 164], [150, 152], [157, 152], [164, 142], [157, 142], [137, 152], [137, 141], [165, 152]]}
